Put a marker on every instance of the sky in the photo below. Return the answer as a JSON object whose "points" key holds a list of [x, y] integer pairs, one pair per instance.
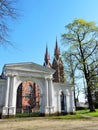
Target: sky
{"points": [[38, 25]]}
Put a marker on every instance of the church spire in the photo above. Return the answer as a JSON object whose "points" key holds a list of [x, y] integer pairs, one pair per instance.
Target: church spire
{"points": [[57, 65], [47, 58], [57, 50]]}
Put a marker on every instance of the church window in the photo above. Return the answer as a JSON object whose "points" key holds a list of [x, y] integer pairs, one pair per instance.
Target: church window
{"points": [[28, 88]]}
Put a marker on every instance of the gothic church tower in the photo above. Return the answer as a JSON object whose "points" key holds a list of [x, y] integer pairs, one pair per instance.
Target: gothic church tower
{"points": [[58, 66]]}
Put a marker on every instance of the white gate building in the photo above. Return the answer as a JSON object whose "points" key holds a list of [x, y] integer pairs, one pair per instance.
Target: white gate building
{"points": [[54, 97]]}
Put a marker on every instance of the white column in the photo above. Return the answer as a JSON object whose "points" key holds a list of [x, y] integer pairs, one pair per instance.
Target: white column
{"points": [[50, 92], [12, 97], [11, 91], [7, 92], [47, 95], [14, 93], [73, 103], [51, 96], [59, 103]]}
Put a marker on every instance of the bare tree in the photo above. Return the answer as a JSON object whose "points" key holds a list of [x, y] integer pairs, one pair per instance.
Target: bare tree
{"points": [[7, 13]]}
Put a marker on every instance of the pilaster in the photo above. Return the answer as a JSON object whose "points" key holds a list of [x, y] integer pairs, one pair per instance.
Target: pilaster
{"points": [[5, 110], [47, 97], [12, 103], [49, 107], [9, 107]]}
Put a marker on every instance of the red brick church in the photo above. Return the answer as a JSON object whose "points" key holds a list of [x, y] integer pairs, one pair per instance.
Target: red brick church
{"points": [[29, 92]]}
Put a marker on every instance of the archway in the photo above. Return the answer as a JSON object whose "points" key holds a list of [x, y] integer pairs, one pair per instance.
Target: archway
{"points": [[28, 97], [63, 102]]}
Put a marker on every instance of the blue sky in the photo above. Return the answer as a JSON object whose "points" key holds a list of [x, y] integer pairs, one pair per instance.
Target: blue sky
{"points": [[40, 22]]}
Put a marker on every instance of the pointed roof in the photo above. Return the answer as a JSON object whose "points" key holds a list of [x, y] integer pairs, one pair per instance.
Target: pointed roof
{"points": [[46, 59], [57, 65], [47, 56], [57, 50]]}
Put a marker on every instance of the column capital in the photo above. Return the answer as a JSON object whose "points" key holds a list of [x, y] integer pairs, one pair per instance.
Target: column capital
{"points": [[50, 77]]}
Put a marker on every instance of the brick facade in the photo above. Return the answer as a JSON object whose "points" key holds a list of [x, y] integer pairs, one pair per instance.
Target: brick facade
{"points": [[28, 97]]}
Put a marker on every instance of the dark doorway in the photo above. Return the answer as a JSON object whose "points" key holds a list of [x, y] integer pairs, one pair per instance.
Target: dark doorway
{"points": [[62, 102]]}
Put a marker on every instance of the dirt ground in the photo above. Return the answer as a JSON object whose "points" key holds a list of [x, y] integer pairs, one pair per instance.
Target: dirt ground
{"points": [[48, 124]]}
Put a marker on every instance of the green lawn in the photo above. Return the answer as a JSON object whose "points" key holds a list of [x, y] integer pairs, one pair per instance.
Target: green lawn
{"points": [[72, 117], [80, 114], [86, 112]]}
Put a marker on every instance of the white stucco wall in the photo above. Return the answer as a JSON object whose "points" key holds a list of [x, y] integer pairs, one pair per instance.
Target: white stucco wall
{"points": [[69, 97]]}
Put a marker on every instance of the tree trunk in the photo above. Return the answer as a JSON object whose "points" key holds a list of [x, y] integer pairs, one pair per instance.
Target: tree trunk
{"points": [[90, 100], [86, 73]]}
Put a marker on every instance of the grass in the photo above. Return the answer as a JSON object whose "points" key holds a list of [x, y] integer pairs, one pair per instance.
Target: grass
{"points": [[86, 112], [80, 114], [70, 117], [35, 114]]}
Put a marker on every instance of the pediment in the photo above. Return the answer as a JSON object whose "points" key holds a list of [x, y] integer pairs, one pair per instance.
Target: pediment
{"points": [[27, 67]]}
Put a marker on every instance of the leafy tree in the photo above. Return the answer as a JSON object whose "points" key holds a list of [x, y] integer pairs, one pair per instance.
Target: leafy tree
{"points": [[7, 12], [81, 38], [70, 68]]}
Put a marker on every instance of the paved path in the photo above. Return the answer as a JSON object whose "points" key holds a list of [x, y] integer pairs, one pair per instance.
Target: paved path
{"points": [[89, 117]]}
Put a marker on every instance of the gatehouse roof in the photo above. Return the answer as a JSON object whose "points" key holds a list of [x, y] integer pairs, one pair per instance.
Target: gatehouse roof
{"points": [[28, 67]]}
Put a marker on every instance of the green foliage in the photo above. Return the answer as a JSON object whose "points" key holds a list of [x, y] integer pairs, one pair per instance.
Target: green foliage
{"points": [[80, 30], [81, 40]]}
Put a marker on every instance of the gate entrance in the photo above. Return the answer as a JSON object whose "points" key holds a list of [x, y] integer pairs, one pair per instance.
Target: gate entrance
{"points": [[29, 89], [28, 97]]}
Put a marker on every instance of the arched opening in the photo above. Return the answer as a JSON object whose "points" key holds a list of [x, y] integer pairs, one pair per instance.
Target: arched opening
{"points": [[28, 97], [63, 102]]}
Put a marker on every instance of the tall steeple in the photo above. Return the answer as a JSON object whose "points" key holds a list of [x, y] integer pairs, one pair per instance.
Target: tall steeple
{"points": [[46, 59], [57, 50], [57, 65]]}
